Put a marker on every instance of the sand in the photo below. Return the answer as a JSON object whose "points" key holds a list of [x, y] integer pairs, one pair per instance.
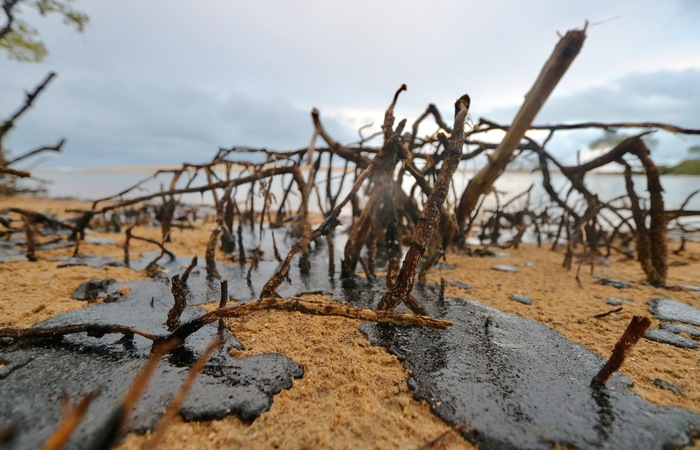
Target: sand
{"points": [[353, 394]]}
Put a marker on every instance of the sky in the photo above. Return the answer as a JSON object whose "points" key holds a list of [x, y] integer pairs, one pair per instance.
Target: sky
{"points": [[161, 82]]}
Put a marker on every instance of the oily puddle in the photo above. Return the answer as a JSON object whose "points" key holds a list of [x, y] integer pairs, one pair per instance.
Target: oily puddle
{"points": [[519, 384], [515, 382]]}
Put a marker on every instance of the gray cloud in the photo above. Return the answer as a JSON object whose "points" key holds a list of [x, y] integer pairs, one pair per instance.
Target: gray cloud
{"points": [[667, 96], [166, 80], [119, 122]]}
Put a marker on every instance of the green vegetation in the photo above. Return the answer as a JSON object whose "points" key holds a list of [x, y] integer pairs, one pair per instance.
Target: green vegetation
{"points": [[690, 166], [687, 167], [20, 40]]}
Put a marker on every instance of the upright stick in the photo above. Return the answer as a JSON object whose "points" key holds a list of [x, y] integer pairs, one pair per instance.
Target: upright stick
{"points": [[564, 53]]}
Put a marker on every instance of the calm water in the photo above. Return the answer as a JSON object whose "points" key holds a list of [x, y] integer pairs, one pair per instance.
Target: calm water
{"points": [[92, 184]]}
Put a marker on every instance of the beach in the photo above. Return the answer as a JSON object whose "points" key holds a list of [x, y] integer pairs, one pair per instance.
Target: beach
{"points": [[354, 394]]}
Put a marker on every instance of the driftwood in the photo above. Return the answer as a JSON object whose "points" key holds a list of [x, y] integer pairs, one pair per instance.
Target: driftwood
{"points": [[179, 399], [270, 303], [635, 330], [565, 52], [71, 419], [428, 220], [112, 431], [269, 290], [8, 124]]}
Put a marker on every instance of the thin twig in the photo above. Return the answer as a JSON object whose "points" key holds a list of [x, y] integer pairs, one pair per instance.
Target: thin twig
{"points": [[635, 330], [179, 399]]}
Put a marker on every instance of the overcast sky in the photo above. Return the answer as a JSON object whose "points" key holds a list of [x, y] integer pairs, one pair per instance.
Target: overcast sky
{"points": [[167, 81]]}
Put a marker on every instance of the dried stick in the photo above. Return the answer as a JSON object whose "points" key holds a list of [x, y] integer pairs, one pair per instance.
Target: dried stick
{"points": [[328, 225], [431, 212], [189, 269], [71, 419], [46, 148], [112, 431], [266, 173], [179, 399], [274, 248], [337, 148], [37, 217], [168, 211], [7, 125], [651, 242], [307, 307], [31, 242], [239, 235], [609, 126], [164, 251], [635, 330], [564, 53], [270, 303], [179, 305], [607, 313], [223, 299], [657, 217], [94, 330], [127, 241], [372, 252], [331, 255], [15, 172], [322, 308], [381, 197], [211, 254], [358, 235], [414, 305], [431, 109], [365, 268]]}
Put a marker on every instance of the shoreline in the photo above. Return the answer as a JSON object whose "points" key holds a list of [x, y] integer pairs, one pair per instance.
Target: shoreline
{"points": [[156, 168]]}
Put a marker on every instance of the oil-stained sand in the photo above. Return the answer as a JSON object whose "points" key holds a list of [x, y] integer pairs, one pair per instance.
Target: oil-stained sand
{"points": [[312, 415]]}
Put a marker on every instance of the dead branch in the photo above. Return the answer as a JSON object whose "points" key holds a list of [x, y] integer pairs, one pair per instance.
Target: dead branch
{"points": [[46, 148], [270, 288], [189, 269], [321, 308], [179, 399], [264, 173], [651, 241], [93, 330], [564, 53], [17, 173], [31, 243], [210, 255], [179, 305], [71, 419], [613, 125], [342, 151], [161, 245], [607, 313], [657, 217], [634, 331], [113, 429], [431, 212], [8, 124], [429, 263]]}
